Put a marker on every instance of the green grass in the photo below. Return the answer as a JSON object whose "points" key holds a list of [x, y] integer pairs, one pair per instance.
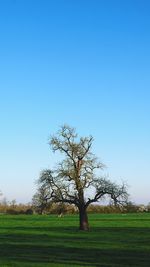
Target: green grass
{"points": [[114, 240]]}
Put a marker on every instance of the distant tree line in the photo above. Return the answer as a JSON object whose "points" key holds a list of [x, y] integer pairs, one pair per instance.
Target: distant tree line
{"points": [[58, 208], [11, 207], [61, 209]]}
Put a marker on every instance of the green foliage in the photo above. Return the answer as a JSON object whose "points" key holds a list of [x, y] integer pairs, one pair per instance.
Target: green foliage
{"points": [[115, 240]]}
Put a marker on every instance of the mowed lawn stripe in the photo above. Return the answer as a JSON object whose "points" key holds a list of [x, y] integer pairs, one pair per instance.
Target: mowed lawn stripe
{"points": [[113, 240]]}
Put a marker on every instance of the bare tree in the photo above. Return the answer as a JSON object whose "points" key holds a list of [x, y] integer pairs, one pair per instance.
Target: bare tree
{"points": [[75, 180], [40, 200]]}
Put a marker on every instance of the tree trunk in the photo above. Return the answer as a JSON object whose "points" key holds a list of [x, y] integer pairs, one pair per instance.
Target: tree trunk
{"points": [[84, 225]]}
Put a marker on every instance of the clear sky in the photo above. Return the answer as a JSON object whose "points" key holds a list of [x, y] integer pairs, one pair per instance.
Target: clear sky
{"points": [[81, 62]]}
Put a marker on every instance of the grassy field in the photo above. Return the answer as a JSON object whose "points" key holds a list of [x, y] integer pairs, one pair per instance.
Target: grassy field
{"points": [[114, 240]]}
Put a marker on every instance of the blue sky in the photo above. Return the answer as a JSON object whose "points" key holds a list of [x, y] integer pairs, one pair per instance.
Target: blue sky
{"points": [[85, 63]]}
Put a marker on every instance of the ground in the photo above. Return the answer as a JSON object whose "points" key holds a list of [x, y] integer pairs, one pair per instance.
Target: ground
{"points": [[113, 240]]}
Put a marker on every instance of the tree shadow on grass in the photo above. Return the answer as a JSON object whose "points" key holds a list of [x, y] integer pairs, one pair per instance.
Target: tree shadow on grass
{"points": [[100, 247]]}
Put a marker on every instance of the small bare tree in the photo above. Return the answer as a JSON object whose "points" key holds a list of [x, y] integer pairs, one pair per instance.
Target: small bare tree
{"points": [[40, 200], [75, 180]]}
